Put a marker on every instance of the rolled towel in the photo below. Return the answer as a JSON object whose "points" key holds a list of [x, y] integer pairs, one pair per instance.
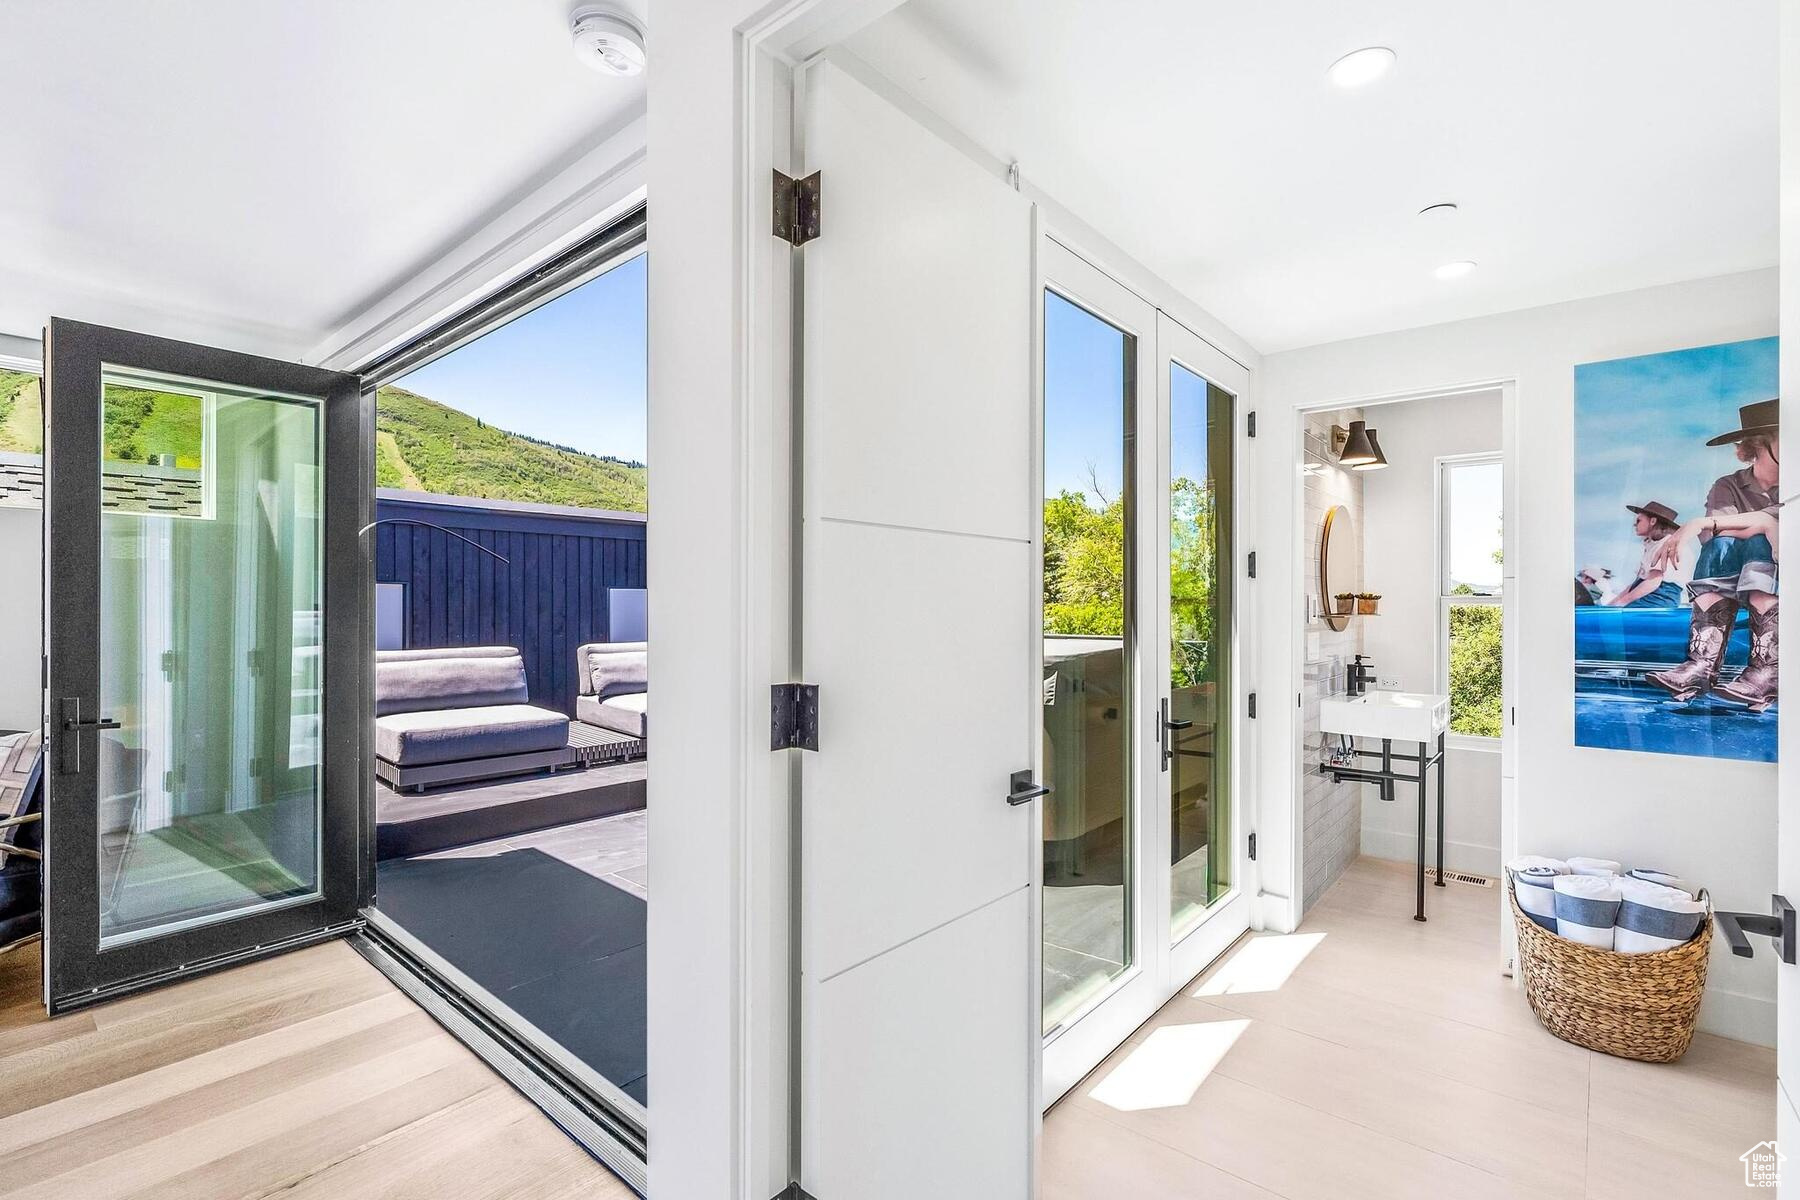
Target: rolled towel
{"points": [[1587, 908], [1654, 917], [1536, 891], [1593, 866], [1652, 875], [1557, 865]]}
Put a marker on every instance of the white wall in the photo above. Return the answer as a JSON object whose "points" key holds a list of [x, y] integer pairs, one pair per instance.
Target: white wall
{"points": [[1399, 561], [1710, 820], [21, 618]]}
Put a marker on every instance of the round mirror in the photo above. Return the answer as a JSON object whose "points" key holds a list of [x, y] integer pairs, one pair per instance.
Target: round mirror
{"points": [[1340, 566]]}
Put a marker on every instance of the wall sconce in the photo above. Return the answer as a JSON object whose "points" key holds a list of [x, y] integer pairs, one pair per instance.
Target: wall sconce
{"points": [[1357, 448]]}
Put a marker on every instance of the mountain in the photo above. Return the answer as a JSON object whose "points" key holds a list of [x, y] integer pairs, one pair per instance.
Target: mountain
{"points": [[420, 445], [426, 446]]}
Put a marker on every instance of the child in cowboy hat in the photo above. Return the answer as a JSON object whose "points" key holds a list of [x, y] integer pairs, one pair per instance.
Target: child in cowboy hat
{"points": [[1654, 586], [1736, 566]]}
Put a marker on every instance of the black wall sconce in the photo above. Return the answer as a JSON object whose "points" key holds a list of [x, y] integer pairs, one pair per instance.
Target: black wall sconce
{"points": [[1357, 447]]}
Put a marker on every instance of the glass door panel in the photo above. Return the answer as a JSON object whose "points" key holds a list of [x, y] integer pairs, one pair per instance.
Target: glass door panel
{"points": [[211, 599], [1197, 746], [205, 592], [1089, 421]]}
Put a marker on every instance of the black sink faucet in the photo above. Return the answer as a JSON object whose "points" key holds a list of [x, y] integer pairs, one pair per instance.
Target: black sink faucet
{"points": [[1362, 674]]}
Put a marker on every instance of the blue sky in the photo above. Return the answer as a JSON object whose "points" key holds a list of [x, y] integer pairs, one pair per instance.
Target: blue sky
{"points": [[1641, 426], [572, 371], [1084, 400]]}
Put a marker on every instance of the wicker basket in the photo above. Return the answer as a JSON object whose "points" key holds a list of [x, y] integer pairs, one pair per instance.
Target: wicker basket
{"points": [[1640, 1006]]}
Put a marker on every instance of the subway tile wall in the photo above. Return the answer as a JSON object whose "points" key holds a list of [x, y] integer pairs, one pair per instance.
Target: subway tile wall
{"points": [[1331, 832]]}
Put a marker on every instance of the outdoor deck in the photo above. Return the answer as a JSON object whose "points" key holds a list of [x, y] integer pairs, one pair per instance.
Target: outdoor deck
{"points": [[409, 823]]}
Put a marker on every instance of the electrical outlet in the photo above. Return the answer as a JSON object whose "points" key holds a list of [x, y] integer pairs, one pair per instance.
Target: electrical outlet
{"points": [[1389, 684]]}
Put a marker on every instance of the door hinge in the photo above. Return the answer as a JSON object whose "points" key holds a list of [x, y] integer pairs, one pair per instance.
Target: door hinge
{"points": [[794, 716], [1253, 847], [1253, 706], [794, 1191], [1253, 564], [1252, 422], [796, 219]]}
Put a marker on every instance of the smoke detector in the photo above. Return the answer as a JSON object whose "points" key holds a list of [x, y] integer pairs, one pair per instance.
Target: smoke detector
{"points": [[607, 40]]}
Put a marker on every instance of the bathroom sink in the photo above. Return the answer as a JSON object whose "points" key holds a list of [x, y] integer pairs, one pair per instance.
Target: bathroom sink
{"points": [[1402, 716]]}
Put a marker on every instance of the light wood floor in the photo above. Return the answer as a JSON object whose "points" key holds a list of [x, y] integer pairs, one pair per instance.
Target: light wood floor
{"points": [[308, 1075], [1393, 1062]]}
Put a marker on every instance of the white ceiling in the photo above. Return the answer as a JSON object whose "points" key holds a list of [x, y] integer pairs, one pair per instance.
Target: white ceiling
{"points": [[1594, 147], [261, 172]]}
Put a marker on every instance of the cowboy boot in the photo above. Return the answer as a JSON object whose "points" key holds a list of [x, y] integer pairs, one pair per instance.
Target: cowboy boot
{"points": [[1708, 634], [1756, 686]]}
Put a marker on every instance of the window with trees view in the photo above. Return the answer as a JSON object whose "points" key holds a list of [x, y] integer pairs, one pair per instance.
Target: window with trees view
{"points": [[1469, 603]]}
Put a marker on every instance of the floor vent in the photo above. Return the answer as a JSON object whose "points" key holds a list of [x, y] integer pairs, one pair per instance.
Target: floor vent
{"points": [[1461, 877]]}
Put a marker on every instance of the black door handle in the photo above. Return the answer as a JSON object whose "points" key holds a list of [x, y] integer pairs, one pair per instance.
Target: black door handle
{"points": [[1024, 790], [1779, 925], [69, 748], [1164, 727]]}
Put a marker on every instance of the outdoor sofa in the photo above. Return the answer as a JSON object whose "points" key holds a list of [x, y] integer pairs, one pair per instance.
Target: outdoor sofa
{"points": [[615, 687], [460, 714]]}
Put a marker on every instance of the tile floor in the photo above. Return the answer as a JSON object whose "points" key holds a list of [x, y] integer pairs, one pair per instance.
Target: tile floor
{"points": [[1394, 1061]]}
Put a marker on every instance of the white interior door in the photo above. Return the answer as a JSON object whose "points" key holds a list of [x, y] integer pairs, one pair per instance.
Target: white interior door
{"points": [[918, 925]]}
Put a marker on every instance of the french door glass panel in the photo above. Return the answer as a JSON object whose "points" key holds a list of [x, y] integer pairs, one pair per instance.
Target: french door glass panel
{"points": [[1201, 425], [211, 608], [1089, 413]]}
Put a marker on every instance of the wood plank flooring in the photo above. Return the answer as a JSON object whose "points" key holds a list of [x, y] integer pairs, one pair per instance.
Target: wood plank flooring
{"points": [[1394, 1061], [308, 1075]]}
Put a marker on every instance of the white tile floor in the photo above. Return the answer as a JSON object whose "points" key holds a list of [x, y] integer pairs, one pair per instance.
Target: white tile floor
{"points": [[1394, 1061]]}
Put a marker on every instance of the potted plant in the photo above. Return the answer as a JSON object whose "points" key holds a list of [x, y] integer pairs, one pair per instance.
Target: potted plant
{"points": [[1367, 602], [1344, 602]]}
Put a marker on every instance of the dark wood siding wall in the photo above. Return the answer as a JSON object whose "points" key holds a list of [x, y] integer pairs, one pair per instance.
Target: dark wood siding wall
{"points": [[547, 599]]}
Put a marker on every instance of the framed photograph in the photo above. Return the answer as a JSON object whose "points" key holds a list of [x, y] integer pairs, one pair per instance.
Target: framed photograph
{"points": [[1677, 499]]}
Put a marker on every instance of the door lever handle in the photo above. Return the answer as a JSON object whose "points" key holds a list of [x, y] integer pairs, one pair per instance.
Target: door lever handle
{"points": [[1024, 790], [102, 723], [1779, 925], [69, 748]]}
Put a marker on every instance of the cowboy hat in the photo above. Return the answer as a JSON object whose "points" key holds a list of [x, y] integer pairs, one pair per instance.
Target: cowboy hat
{"points": [[1656, 509], [1763, 417]]}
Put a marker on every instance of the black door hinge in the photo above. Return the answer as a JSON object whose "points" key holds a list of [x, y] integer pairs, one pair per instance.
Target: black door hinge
{"points": [[796, 208], [1253, 564], [1253, 847], [794, 716], [1253, 706], [1252, 422]]}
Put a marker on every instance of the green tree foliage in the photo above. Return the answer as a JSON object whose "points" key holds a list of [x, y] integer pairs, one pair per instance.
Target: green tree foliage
{"points": [[1084, 571], [1475, 669]]}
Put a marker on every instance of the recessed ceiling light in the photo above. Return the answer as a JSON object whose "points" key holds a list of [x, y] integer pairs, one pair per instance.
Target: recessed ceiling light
{"points": [[607, 40], [1361, 66], [1454, 270]]}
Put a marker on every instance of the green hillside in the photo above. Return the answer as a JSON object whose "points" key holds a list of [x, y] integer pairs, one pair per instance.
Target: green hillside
{"points": [[140, 422], [426, 446], [421, 445]]}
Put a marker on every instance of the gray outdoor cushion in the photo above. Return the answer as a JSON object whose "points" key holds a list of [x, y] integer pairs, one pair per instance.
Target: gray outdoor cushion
{"points": [[415, 739], [613, 672], [587, 653], [622, 714], [462, 677]]}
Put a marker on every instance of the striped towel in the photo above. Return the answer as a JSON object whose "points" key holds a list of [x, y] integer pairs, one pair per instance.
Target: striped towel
{"points": [[1654, 917], [1652, 875], [1587, 908], [1594, 866], [1533, 880]]}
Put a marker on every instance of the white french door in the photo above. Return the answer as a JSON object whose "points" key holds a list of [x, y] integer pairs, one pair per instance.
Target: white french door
{"points": [[1140, 844]]}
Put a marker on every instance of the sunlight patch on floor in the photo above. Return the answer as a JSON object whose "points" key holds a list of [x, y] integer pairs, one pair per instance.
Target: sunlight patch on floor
{"points": [[1168, 1067], [1261, 964]]}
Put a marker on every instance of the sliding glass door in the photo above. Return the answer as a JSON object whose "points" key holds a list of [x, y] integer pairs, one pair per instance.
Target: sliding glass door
{"points": [[1138, 443]]}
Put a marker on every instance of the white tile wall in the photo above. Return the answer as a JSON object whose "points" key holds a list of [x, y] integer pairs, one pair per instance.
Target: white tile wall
{"points": [[1331, 835]]}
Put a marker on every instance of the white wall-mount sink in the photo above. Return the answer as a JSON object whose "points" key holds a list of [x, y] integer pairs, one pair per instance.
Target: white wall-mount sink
{"points": [[1402, 716]]}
